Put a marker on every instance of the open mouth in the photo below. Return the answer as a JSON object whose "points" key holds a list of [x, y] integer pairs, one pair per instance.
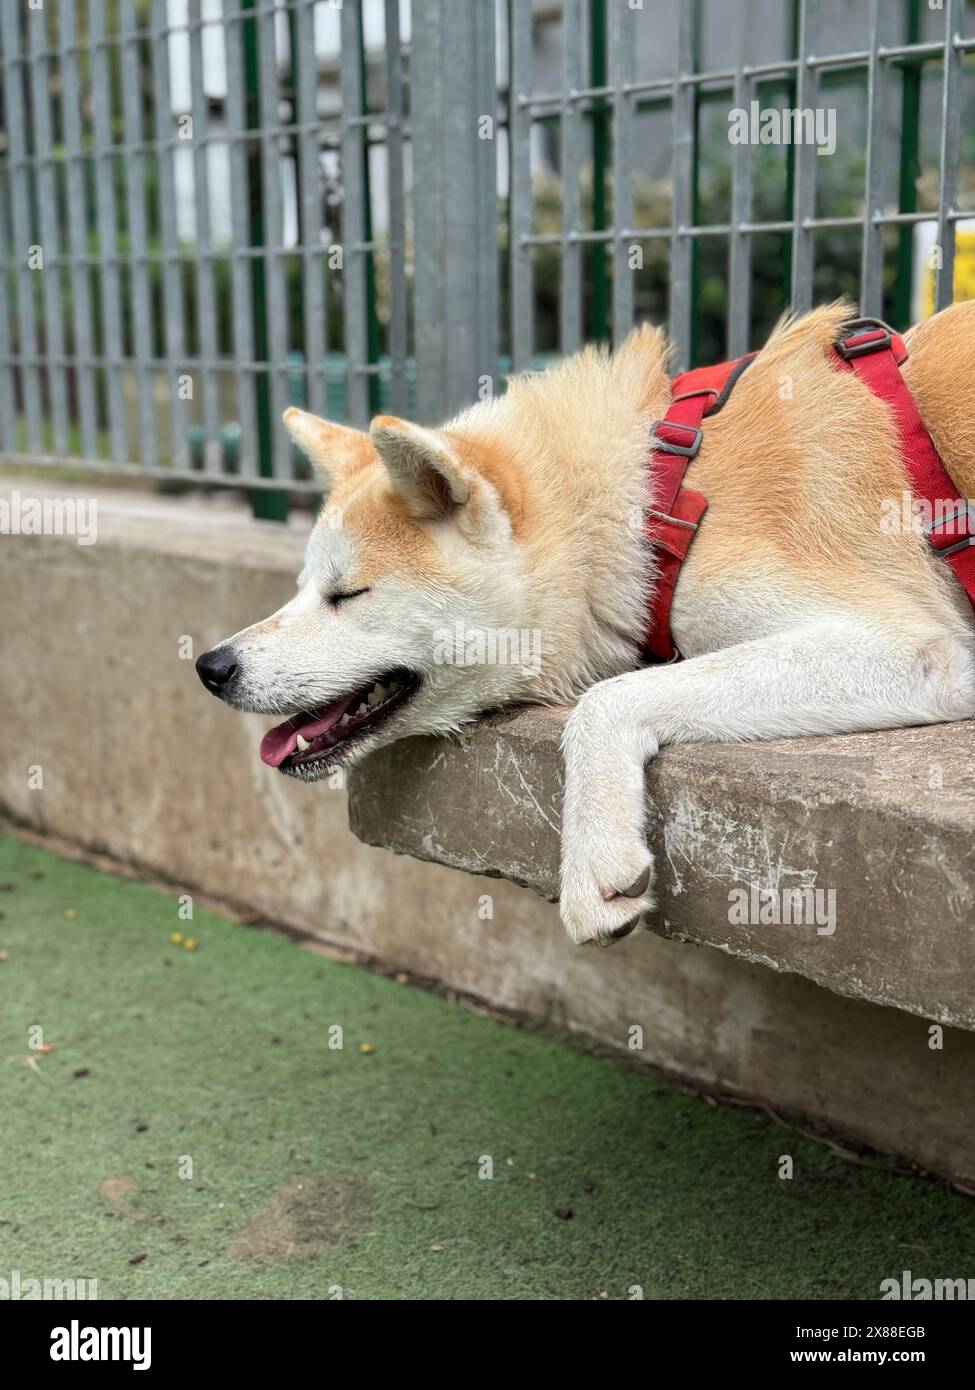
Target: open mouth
{"points": [[321, 736]]}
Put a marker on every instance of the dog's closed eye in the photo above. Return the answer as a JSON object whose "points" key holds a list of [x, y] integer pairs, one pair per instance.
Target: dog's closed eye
{"points": [[336, 599]]}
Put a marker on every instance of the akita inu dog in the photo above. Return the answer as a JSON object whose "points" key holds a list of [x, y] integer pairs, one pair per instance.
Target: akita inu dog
{"points": [[800, 609]]}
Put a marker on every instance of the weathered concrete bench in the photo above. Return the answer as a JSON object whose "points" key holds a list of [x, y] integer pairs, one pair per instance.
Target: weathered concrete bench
{"points": [[884, 821], [97, 686]]}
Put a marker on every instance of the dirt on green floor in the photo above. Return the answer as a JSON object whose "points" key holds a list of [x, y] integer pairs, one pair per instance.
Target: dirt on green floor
{"points": [[199, 1109]]}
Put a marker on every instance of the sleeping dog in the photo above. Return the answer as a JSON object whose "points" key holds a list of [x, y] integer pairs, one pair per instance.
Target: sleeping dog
{"points": [[812, 600]]}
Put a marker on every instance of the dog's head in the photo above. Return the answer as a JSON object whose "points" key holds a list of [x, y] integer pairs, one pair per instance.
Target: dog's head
{"points": [[415, 549]]}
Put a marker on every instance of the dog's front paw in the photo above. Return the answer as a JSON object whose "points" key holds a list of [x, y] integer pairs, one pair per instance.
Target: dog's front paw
{"points": [[605, 893], [607, 869]]}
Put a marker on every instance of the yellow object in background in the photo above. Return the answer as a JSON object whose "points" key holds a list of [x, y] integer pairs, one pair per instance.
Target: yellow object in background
{"points": [[964, 284]]}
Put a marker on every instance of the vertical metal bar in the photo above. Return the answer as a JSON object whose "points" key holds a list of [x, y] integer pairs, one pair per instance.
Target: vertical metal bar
{"points": [[77, 200], [354, 306], [267, 504], [20, 198], [485, 90], [740, 243], [622, 42], [8, 418], [47, 200], [521, 283], [910, 168], [570, 301], [455, 163], [682, 211], [397, 210], [273, 198], [949, 155], [135, 185], [241, 271], [174, 319], [872, 268], [373, 331], [598, 274], [111, 301], [790, 152], [206, 306], [804, 193], [310, 211]]}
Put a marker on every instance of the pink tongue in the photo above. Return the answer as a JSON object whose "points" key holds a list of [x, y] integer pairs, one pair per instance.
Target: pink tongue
{"points": [[282, 740]]}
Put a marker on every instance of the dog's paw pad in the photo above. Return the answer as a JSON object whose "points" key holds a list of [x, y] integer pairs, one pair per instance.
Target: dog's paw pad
{"points": [[636, 889], [599, 916], [618, 933]]}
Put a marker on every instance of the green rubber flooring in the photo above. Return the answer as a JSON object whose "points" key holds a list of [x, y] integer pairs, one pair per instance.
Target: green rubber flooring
{"points": [[249, 1119]]}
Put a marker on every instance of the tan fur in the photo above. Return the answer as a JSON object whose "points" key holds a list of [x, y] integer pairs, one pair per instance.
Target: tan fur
{"points": [[387, 539], [940, 372], [810, 603], [796, 469], [332, 448], [496, 461], [577, 436]]}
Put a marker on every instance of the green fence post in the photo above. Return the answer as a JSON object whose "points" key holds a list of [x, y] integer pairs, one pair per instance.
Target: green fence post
{"points": [[695, 342], [268, 504], [910, 167], [790, 166]]}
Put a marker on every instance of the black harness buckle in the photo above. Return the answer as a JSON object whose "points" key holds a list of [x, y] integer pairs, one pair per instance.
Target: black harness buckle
{"points": [[854, 328]]}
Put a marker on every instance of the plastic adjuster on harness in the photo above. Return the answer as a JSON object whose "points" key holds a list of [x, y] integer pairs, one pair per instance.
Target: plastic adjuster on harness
{"points": [[672, 446], [860, 336], [952, 546]]}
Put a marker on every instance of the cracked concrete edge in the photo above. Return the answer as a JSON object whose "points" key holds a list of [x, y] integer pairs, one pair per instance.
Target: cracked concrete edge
{"points": [[883, 822]]}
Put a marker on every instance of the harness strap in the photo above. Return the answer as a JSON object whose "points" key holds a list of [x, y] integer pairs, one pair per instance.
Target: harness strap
{"points": [[672, 520], [870, 349], [865, 346]]}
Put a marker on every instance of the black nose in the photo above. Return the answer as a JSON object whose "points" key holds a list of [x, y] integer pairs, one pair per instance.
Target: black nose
{"points": [[217, 668]]}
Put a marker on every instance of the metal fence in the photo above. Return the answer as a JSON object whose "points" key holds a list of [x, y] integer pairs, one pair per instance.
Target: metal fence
{"points": [[134, 344], [682, 91], [211, 209]]}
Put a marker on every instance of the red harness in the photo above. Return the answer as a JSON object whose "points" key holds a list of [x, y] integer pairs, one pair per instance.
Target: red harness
{"points": [[867, 347]]}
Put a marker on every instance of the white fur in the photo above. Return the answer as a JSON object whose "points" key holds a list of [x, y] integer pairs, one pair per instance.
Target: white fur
{"points": [[833, 674], [773, 648]]}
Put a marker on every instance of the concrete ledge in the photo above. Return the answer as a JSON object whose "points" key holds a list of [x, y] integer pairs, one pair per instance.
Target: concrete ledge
{"points": [[885, 820], [140, 764]]}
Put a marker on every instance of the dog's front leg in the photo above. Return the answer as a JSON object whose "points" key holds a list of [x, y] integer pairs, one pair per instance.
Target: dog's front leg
{"points": [[831, 677]]}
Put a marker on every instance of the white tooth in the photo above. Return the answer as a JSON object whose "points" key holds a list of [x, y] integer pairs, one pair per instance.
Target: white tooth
{"points": [[303, 744], [380, 693], [373, 697], [343, 720]]}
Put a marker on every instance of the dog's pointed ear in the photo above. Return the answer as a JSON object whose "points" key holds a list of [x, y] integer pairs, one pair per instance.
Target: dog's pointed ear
{"points": [[422, 468], [330, 447]]}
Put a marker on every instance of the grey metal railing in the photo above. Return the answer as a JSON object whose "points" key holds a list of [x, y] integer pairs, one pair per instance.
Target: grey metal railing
{"points": [[131, 344], [681, 90], [147, 327]]}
